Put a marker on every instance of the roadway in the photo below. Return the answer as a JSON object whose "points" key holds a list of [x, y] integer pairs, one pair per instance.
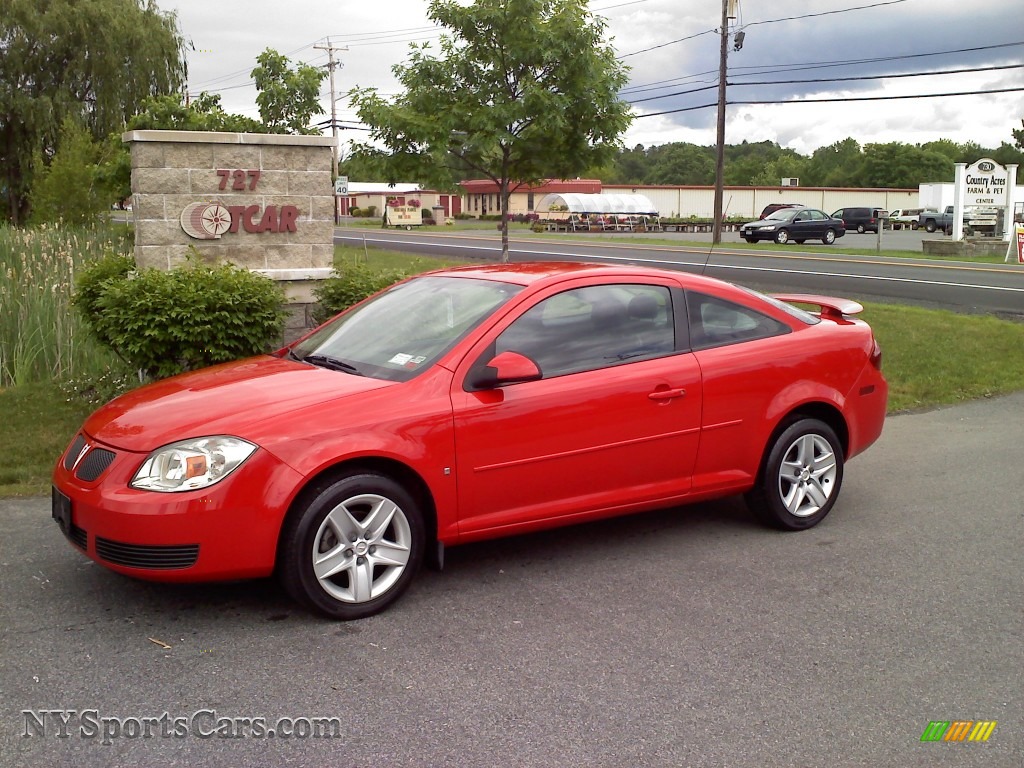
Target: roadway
{"points": [[959, 286]]}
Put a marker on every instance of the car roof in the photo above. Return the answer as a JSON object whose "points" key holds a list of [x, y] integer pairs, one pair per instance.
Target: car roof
{"points": [[530, 273]]}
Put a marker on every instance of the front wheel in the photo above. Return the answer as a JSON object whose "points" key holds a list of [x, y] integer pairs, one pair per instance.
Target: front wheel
{"points": [[782, 237], [830, 237], [354, 547], [801, 476]]}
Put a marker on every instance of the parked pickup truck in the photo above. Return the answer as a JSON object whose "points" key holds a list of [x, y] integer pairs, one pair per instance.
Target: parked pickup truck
{"points": [[932, 220], [976, 220]]}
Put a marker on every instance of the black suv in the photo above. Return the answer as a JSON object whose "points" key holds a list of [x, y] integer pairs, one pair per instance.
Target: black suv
{"points": [[859, 219]]}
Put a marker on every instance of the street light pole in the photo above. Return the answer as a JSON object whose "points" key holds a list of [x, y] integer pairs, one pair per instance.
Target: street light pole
{"points": [[716, 229]]}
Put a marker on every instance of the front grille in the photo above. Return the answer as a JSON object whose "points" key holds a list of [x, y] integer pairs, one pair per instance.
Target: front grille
{"points": [[92, 466], [76, 448], [79, 537], [146, 556]]}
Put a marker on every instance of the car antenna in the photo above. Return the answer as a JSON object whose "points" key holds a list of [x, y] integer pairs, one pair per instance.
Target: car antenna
{"points": [[712, 248]]}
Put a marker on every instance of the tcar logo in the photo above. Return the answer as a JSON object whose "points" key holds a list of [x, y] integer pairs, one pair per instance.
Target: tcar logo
{"points": [[205, 221]]}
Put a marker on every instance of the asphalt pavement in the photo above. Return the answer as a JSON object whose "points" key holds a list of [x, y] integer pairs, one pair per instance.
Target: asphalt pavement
{"points": [[686, 637]]}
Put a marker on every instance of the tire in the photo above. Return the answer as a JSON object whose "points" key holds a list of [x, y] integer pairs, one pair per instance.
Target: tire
{"points": [[782, 236], [408, 227], [800, 478], [929, 226], [830, 237], [800, 242], [948, 230], [860, 229], [914, 225], [385, 543], [750, 239]]}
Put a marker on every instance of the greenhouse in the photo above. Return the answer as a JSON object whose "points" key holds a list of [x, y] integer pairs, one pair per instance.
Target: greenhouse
{"points": [[600, 213]]}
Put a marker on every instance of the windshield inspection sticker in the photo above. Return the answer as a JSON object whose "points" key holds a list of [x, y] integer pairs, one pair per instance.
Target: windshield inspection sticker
{"points": [[407, 361]]}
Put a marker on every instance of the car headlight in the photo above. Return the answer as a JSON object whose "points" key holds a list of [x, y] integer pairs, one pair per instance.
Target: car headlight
{"points": [[767, 228], [191, 464]]}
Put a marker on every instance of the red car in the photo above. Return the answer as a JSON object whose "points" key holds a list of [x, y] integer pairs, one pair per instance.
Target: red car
{"points": [[472, 403]]}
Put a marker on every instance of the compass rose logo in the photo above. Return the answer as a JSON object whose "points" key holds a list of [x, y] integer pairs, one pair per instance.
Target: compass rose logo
{"points": [[205, 221]]}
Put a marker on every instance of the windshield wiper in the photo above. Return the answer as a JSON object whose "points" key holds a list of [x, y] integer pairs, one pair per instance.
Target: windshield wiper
{"points": [[326, 361]]}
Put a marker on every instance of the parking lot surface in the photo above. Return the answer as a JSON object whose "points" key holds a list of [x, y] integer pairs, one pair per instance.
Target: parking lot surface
{"points": [[686, 637]]}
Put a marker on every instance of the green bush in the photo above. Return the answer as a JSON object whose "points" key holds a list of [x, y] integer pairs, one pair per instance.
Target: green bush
{"points": [[167, 322], [350, 286]]}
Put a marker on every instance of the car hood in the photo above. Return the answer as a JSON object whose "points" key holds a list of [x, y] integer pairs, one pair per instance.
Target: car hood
{"points": [[233, 399]]}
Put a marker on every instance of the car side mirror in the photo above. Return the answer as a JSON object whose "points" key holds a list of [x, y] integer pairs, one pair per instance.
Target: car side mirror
{"points": [[505, 368]]}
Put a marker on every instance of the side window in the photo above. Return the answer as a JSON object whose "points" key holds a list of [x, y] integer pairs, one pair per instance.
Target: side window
{"points": [[594, 327], [715, 321]]}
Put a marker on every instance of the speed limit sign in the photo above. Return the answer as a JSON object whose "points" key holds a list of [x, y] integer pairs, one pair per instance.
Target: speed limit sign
{"points": [[341, 185]]}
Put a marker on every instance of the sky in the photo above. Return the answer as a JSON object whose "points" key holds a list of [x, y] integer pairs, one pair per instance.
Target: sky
{"points": [[673, 46]]}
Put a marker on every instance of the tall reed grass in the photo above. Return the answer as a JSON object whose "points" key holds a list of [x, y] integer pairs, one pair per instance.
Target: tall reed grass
{"points": [[41, 336]]}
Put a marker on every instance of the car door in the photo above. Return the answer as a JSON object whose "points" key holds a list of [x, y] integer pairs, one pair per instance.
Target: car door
{"points": [[612, 422]]}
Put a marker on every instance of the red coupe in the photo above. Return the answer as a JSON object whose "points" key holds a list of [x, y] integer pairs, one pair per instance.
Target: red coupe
{"points": [[472, 403]]}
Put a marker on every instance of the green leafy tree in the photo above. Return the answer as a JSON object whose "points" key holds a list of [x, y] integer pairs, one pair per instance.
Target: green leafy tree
{"points": [[683, 163], [93, 60], [288, 98], [71, 188], [837, 165], [523, 90], [168, 113]]}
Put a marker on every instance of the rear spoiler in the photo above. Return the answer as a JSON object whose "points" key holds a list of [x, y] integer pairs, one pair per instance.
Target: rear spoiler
{"points": [[830, 307]]}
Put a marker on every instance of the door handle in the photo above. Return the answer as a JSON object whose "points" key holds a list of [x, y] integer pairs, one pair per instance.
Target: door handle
{"points": [[667, 394]]}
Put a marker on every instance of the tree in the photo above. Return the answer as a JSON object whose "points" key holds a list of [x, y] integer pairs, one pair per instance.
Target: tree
{"points": [[71, 188], [523, 90], [95, 61], [288, 98]]}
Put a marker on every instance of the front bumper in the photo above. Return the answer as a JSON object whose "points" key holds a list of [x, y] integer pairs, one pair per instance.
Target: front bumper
{"points": [[226, 531]]}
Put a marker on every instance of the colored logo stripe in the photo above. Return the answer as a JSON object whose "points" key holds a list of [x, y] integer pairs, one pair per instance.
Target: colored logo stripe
{"points": [[958, 730]]}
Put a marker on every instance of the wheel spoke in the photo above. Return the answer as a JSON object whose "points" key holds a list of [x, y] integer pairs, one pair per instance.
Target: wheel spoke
{"points": [[816, 493], [790, 471], [389, 553], [362, 581], [345, 527], [330, 563], [794, 497], [805, 450], [379, 519]]}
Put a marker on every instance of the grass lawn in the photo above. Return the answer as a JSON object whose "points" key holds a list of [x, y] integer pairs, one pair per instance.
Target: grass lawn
{"points": [[930, 358]]}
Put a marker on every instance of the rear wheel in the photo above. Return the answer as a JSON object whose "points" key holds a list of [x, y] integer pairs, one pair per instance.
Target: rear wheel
{"points": [[830, 237], [801, 476], [782, 236], [354, 547], [860, 229], [929, 226]]}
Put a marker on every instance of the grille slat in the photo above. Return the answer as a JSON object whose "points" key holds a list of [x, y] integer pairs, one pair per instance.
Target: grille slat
{"points": [[72, 455], [92, 466], [147, 556], [79, 537]]}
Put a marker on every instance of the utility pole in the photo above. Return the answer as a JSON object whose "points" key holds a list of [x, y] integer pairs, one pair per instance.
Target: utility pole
{"points": [[716, 229], [331, 64], [334, 115]]}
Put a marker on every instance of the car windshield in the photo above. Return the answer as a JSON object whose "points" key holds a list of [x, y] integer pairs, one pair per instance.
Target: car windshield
{"points": [[783, 214], [405, 329]]}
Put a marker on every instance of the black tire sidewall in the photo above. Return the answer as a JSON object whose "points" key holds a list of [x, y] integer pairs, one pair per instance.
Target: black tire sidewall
{"points": [[296, 571]]}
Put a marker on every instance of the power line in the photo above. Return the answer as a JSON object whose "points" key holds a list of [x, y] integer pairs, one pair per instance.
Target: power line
{"points": [[824, 13], [836, 100], [835, 80]]}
